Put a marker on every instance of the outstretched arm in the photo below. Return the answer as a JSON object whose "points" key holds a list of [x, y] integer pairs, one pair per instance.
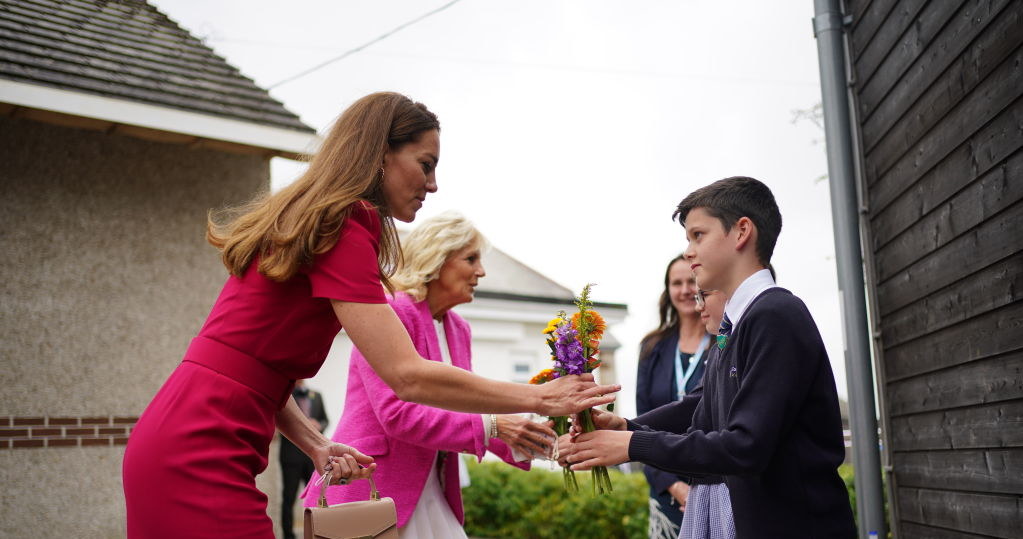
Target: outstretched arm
{"points": [[380, 336], [674, 417], [782, 362], [411, 422]]}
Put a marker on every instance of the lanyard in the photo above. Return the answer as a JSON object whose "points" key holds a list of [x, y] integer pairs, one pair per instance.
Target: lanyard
{"points": [[682, 377]]}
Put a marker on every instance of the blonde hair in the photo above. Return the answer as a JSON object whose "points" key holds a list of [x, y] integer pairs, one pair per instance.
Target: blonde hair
{"points": [[426, 248], [288, 229]]}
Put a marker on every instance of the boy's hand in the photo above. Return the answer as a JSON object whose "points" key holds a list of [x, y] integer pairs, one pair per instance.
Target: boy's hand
{"points": [[565, 449], [600, 448], [607, 421], [602, 420]]}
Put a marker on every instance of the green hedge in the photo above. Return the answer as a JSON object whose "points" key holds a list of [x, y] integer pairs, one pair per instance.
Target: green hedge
{"points": [[507, 502], [845, 471], [503, 501]]}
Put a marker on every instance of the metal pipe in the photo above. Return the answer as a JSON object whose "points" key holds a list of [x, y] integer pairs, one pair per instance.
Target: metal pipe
{"points": [[828, 29]]}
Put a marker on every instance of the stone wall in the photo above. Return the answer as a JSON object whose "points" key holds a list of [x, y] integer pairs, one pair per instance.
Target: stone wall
{"points": [[104, 279]]}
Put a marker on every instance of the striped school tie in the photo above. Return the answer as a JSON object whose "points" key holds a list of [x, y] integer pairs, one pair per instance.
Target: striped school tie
{"points": [[724, 332]]}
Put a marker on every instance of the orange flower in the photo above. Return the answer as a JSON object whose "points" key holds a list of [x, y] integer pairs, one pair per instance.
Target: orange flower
{"points": [[543, 377], [597, 324]]}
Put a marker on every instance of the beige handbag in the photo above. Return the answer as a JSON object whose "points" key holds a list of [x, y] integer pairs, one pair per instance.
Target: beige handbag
{"points": [[371, 519]]}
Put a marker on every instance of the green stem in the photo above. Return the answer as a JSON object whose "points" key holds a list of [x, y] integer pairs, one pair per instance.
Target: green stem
{"points": [[601, 477], [561, 428]]}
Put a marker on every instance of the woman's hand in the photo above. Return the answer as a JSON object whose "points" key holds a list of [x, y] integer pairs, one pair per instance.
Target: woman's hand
{"points": [[529, 438], [680, 491], [342, 461], [600, 448], [574, 393]]}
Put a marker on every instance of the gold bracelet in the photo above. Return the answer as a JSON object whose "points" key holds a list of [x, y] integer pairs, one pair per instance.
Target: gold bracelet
{"points": [[493, 426]]}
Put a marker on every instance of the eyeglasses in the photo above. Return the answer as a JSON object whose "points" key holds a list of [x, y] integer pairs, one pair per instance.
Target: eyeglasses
{"points": [[701, 298]]}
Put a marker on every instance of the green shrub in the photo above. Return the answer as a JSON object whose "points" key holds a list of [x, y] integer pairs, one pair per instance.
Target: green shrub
{"points": [[845, 471], [507, 502]]}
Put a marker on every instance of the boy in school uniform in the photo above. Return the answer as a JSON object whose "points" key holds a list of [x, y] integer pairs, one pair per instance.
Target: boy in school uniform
{"points": [[765, 440]]}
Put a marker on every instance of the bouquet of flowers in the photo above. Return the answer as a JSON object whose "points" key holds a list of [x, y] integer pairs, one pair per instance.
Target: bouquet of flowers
{"points": [[575, 346]]}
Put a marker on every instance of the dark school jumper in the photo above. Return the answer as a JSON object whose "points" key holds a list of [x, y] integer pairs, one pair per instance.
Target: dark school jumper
{"points": [[768, 423]]}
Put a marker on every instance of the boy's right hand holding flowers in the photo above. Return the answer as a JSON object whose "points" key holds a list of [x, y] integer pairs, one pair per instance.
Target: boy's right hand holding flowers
{"points": [[601, 419]]}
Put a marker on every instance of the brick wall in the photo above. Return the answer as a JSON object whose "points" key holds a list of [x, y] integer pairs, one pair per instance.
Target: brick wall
{"points": [[29, 432]]}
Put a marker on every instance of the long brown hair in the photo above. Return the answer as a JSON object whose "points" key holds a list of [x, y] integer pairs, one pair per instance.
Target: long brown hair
{"points": [[669, 316], [286, 230]]}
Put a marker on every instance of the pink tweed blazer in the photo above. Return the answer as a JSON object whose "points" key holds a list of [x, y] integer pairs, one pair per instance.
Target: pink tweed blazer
{"points": [[403, 437]]}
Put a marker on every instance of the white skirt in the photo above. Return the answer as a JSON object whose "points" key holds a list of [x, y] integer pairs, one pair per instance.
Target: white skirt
{"points": [[432, 518]]}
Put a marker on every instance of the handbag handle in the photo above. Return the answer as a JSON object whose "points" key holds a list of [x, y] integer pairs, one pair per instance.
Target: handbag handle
{"points": [[322, 501]]}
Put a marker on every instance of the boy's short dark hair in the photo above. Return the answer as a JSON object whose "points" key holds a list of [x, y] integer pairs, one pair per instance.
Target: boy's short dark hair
{"points": [[730, 199]]}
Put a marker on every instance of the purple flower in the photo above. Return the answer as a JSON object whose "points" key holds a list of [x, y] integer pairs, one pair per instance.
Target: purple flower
{"points": [[568, 350]]}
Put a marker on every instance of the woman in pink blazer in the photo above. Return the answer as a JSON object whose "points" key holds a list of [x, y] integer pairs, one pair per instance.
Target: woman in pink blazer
{"points": [[415, 446]]}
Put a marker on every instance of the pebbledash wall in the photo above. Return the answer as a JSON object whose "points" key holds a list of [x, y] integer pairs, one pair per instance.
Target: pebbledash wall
{"points": [[105, 277]]}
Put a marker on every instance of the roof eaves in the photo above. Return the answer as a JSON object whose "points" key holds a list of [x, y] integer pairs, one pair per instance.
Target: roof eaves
{"points": [[287, 142], [543, 299]]}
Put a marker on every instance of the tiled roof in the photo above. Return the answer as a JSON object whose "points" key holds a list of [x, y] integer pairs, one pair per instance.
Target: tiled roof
{"points": [[508, 278], [127, 49], [506, 275]]}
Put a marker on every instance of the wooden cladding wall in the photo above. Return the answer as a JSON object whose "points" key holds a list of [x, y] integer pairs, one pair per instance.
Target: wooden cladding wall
{"points": [[938, 90]]}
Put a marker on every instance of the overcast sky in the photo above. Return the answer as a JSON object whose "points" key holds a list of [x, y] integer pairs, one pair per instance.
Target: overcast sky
{"points": [[571, 129]]}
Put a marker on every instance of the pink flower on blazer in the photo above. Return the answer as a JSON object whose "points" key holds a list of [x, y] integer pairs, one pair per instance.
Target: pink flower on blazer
{"points": [[403, 437]]}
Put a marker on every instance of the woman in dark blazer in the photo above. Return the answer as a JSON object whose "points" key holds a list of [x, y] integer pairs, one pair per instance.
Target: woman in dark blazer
{"points": [[671, 364]]}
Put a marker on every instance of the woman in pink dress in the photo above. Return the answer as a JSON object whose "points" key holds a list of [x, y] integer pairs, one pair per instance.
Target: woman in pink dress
{"points": [[417, 447], [303, 263]]}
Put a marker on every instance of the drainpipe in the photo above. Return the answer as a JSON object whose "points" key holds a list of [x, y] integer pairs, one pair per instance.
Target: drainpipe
{"points": [[828, 29]]}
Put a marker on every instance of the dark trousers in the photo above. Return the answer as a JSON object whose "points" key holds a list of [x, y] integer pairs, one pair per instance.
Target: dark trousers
{"points": [[293, 472]]}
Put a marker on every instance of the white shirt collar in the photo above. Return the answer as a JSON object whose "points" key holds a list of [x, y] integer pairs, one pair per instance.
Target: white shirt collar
{"points": [[753, 286]]}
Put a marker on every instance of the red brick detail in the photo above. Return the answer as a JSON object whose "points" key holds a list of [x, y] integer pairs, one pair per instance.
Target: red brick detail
{"points": [[95, 441], [62, 442], [64, 431]]}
